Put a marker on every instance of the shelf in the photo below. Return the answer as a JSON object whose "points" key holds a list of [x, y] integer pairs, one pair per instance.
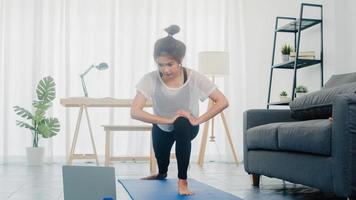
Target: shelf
{"points": [[296, 25], [300, 64], [280, 103], [292, 27]]}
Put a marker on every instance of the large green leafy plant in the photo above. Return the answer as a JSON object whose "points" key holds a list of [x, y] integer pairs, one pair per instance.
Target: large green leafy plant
{"points": [[40, 124]]}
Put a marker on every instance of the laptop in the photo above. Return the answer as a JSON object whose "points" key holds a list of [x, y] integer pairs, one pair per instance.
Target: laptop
{"points": [[88, 183]]}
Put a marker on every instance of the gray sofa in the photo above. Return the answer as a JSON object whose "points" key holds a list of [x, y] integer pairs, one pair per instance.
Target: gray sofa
{"points": [[315, 151]]}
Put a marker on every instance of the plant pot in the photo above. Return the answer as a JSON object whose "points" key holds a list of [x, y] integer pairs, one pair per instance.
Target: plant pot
{"points": [[283, 98], [285, 57], [35, 155], [299, 94]]}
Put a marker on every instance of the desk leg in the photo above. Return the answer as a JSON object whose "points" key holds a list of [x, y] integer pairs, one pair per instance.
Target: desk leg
{"points": [[91, 136], [229, 137], [107, 148], [75, 136]]}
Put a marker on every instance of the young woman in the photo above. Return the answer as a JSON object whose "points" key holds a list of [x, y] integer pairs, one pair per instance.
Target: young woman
{"points": [[174, 91]]}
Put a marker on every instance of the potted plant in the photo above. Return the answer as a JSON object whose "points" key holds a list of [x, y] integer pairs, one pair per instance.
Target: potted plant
{"points": [[40, 125], [300, 90], [283, 96], [286, 49]]}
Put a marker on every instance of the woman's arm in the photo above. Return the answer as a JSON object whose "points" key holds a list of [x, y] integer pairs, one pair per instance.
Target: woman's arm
{"points": [[220, 103], [138, 113]]}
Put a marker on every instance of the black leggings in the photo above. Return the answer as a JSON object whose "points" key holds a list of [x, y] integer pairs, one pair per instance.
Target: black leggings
{"points": [[163, 141]]}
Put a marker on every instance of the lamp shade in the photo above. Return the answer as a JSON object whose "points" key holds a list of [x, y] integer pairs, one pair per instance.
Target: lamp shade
{"points": [[214, 63], [102, 66]]}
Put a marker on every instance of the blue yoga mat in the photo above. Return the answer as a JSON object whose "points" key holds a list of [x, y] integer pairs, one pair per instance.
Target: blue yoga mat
{"points": [[167, 190]]}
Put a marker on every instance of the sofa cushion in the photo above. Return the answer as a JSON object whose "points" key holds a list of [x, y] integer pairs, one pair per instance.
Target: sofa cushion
{"points": [[263, 137], [340, 79], [318, 105], [312, 136]]}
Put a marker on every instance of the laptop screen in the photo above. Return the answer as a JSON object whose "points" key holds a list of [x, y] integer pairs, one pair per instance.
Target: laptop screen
{"points": [[88, 182]]}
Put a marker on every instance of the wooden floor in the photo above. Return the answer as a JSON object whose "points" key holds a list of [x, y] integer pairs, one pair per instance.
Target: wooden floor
{"points": [[20, 182]]}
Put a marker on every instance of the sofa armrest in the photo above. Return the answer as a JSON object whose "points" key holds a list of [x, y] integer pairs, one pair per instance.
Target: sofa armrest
{"points": [[257, 117], [343, 141]]}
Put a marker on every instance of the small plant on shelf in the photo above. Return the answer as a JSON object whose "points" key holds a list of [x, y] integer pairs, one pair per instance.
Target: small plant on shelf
{"points": [[285, 50], [300, 90], [283, 93], [283, 96]]}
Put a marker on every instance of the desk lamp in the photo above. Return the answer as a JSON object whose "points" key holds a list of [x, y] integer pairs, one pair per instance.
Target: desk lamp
{"points": [[101, 66]]}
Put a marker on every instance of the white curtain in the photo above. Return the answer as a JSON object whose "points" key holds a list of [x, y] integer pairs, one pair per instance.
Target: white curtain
{"points": [[62, 38]]}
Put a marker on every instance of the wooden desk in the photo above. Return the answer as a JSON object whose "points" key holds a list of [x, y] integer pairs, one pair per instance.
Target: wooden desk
{"points": [[83, 103]]}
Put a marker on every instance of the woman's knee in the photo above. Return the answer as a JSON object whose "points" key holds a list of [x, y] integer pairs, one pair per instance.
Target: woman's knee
{"points": [[182, 122], [182, 128]]}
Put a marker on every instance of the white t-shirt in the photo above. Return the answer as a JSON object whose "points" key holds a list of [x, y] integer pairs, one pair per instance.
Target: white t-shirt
{"points": [[166, 100]]}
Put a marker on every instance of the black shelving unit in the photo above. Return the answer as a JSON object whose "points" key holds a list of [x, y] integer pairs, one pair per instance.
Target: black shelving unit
{"points": [[296, 26]]}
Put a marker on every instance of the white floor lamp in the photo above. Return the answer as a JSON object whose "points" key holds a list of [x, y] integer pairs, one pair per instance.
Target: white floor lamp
{"points": [[214, 63]]}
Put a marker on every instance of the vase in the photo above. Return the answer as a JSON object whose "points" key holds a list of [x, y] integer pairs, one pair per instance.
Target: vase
{"points": [[285, 58], [283, 98], [299, 94], [34, 156]]}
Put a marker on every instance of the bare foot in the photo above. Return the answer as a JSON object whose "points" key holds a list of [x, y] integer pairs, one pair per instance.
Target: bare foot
{"points": [[155, 177], [183, 187]]}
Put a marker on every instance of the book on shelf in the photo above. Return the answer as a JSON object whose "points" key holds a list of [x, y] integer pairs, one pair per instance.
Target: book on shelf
{"points": [[302, 57], [302, 54]]}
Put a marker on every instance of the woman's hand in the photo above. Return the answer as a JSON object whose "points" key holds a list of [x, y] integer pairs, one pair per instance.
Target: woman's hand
{"points": [[171, 120], [182, 113]]}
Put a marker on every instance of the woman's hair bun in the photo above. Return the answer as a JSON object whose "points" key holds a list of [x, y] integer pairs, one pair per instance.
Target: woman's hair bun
{"points": [[172, 29], [169, 45]]}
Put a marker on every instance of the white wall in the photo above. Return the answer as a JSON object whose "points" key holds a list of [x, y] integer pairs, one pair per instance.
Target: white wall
{"points": [[345, 33], [259, 22]]}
